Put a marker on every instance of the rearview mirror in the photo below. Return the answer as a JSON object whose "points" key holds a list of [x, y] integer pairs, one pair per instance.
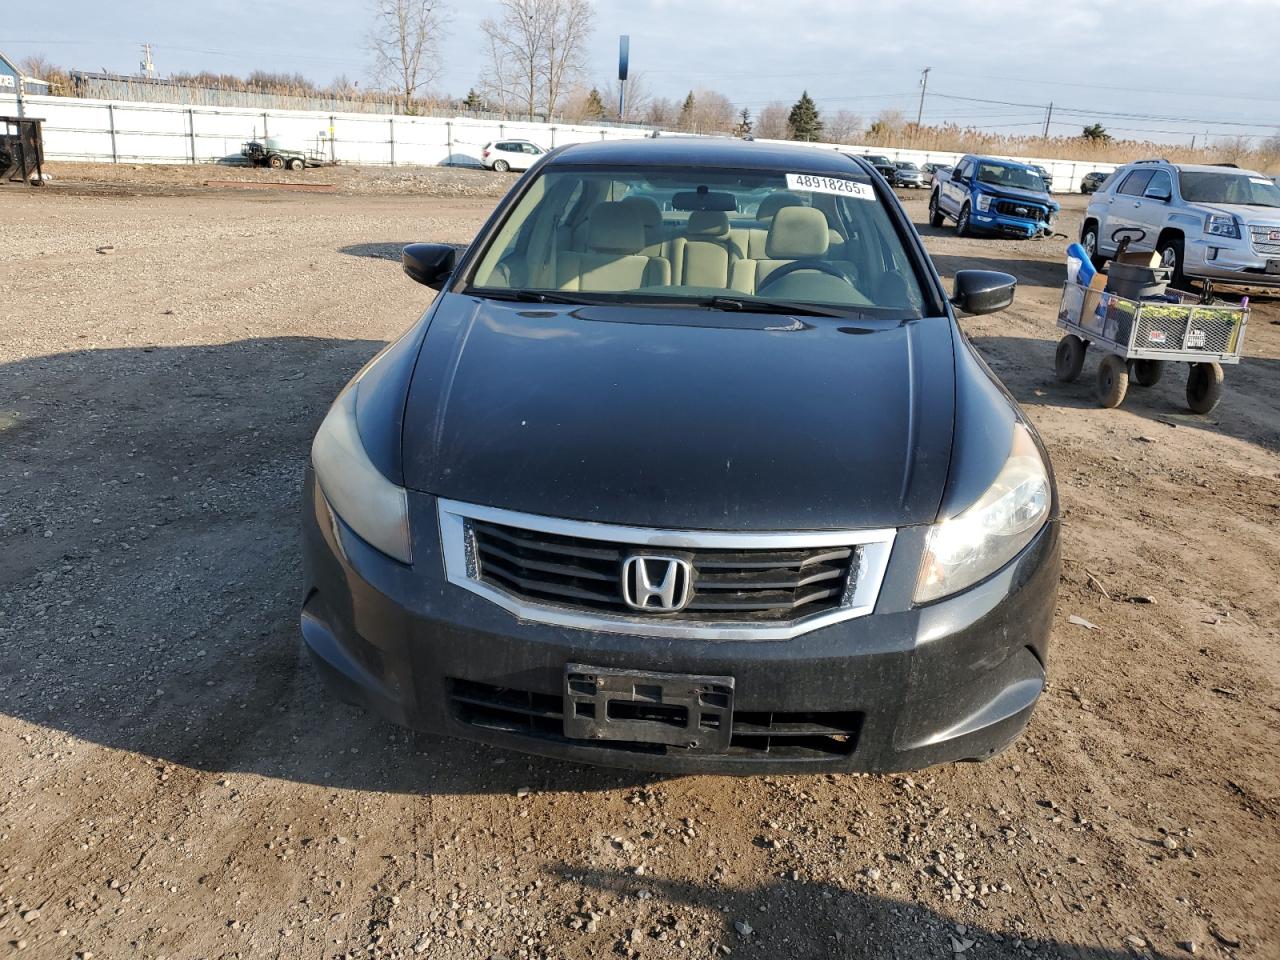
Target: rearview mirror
{"points": [[428, 263], [983, 291]]}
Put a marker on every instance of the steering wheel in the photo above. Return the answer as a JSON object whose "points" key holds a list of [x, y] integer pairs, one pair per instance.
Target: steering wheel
{"points": [[821, 266]]}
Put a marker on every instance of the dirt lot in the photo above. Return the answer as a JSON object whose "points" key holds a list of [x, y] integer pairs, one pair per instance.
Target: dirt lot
{"points": [[175, 783]]}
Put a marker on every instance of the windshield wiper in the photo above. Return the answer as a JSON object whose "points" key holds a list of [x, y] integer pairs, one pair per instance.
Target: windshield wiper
{"points": [[529, 296], [794, 307]]}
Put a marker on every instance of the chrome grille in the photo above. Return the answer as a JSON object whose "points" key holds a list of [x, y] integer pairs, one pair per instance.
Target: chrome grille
{"points": [[767, 585], [1262, 242], [763, 585]]}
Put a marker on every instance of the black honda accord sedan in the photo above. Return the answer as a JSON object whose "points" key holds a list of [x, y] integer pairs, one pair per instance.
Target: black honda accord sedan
{"points": [[688, 468]]}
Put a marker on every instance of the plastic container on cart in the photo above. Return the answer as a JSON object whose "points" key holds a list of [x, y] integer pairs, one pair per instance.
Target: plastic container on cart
{"points": [[1136, 281]]}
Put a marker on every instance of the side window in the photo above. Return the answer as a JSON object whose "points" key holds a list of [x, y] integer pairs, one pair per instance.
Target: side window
{"points": [[1160, 185], [531, 148], [1135, 183]]}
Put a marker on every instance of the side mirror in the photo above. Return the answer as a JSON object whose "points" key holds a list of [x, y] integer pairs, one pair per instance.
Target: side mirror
{"points": [[428, 263], [983, 291]]}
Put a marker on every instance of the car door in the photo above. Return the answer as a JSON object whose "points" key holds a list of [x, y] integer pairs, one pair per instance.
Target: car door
{"points": [[1148, 214], [1122, 218], [530, 154], [955, 192]]}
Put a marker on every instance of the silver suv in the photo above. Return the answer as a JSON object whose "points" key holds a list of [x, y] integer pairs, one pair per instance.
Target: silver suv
{"points": [[1207, 222]]}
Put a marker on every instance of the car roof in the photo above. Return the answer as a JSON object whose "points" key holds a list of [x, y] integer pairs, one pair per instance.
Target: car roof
{"points": [[707, 151]]}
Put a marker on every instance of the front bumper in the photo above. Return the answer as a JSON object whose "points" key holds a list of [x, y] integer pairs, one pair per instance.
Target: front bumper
{"points": [[1226, 260], [956, 680], [1007, 226]]}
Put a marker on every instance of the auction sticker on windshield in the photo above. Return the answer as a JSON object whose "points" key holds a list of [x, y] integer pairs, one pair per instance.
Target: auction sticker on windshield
{"points": [[832, 185]]}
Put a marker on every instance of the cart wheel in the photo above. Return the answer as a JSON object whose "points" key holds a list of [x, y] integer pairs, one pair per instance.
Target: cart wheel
{"points": [[1113, 381], [1147, 373], [295, 163], [1204, 387], [1069, 360], [275, 162]]}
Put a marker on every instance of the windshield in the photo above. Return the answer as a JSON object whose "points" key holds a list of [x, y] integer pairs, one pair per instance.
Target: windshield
{"points": [[712, 238], [1238, 188], [1000, 175]]}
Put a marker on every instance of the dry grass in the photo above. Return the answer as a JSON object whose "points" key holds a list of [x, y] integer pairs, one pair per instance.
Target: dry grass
{"points": [[955, 139]]}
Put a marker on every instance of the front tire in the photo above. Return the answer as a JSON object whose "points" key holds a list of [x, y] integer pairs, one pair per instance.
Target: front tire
{"points": [[1113, 381], [275, 162], [1171, 256], [1069, 359], [1089, 240], [936, 219], [962, 223], [1204, 387], [501, 166]]}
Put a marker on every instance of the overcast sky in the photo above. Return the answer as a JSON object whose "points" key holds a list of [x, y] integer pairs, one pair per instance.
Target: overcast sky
{"points": [[1174, 68]]}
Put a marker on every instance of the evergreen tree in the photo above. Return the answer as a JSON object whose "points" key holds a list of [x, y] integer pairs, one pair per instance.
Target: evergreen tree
{"points": [[595, 109], [1095, 132], [804, 121], [743, 129], [686, 120], [474, 103]]}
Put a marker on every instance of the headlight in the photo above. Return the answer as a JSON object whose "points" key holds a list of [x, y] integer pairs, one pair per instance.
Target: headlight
{"points": [[979, 541], [984, 202], [1221, 225], [369, 503]]}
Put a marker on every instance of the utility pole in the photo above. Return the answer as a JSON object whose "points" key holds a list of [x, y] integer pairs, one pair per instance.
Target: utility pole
{"points": [[147, 67], [1047, 118], [924, 85]]}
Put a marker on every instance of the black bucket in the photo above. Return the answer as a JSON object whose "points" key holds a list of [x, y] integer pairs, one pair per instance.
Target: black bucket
{"points": [[1136, 282]]}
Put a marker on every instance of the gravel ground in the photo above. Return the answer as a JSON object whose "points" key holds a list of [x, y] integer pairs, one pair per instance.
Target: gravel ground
{"points": [[176, 784]]}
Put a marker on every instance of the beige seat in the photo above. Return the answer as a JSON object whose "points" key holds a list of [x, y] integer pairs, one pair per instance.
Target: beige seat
{"points": [[796, 233], [651, 216], [705, 255], [613, 259], [753, 239]]}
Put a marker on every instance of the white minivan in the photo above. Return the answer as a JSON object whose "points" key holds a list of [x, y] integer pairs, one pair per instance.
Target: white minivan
{"points": [[504, 155]]}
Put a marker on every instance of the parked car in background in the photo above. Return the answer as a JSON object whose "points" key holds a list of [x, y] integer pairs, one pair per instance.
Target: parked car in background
{"points": [[991, 195], [884, 166], [1212, 222], [508, 536], [931, 170], [907, 174], [504, 155], [1045, 175], [1092, 181]]}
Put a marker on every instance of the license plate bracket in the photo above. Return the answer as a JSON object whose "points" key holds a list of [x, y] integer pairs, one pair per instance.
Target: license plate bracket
{"points": [[1273, 266], [690, 711]]}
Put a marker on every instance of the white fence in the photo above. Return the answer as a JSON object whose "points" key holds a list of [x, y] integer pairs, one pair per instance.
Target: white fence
{"points": [[120, 131]]}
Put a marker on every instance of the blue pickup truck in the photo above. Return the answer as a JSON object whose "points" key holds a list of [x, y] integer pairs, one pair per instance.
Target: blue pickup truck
{"points": [[989, 195]]}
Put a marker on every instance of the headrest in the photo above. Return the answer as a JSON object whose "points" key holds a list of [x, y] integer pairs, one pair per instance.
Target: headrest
{"points": [[650, 212], [774, 202], [797, 233], [615, 227], [708, 223]]}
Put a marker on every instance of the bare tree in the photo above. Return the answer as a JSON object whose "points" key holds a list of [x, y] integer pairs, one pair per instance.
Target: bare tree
{"points": [[536, 52], [843, 126], [406, 43], [771, 122]]}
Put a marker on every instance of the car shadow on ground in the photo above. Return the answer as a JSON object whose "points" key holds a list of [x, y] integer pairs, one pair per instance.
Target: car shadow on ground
{"points": [[808, 918], [1249, 409], [150, 577]]}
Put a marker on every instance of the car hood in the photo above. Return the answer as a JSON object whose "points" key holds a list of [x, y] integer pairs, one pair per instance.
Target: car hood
{"points": [[682, 418], [1264, 216], [1016, 193]]}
